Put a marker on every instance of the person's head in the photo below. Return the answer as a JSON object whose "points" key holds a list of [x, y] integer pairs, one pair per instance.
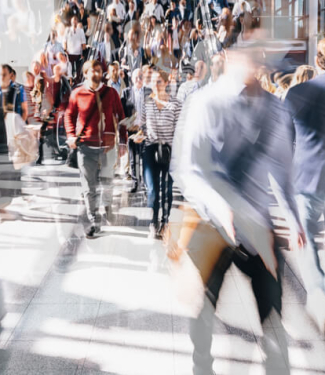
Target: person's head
{"points": [[40, 84], [131, 5], [113, 71], [303, 74], [200, 70], [13, 75], [67, 6], [29, 79], [264, 79], [43, 59], [137, 78], [81, 8], [62, 57], [183, 3], [36, 68], [217, 65], [5, 75], [57, 72], [74, 22], [153, 20], [53, 35], [93, 71], [285, 81], [108, 28], [320, 58], [159, 81], [147, 74], [107, 34], [243, 63], [172, 4], [226, 18]]}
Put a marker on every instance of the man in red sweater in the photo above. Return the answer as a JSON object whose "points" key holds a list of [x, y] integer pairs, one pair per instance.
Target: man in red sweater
{"points": [[90, 121]]}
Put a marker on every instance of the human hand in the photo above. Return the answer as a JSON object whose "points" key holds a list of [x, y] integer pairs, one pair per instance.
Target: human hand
{"points": [[72, 142], [297, 240]]}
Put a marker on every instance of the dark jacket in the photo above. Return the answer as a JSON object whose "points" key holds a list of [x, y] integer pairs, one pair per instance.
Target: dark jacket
{"points": [[306, 103]]}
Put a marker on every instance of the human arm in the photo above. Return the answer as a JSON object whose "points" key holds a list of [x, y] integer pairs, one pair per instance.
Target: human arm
{"points": [[24, 105], [192, 166], [70, 120]]}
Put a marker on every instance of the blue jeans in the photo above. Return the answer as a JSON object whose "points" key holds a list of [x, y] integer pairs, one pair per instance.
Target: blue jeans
{"points": [[157, 176], [310, 208]]}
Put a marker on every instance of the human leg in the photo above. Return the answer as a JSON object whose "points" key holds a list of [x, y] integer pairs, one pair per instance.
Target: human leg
{"points": [[88, 161], [310, 209], [151, 173]]}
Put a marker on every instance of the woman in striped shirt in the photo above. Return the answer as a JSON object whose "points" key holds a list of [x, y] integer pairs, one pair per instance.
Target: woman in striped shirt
{"points": [[159, 118]]}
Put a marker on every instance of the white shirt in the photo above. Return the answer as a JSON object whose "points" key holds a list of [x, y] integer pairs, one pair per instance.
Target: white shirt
{"points": [[108, 51], [236, 11], [120, 10], [74, 38], [155, 10], [138, 99]]}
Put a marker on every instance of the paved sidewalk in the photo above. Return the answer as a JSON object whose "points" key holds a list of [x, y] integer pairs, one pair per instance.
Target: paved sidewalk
{"points": [[109, 305]]}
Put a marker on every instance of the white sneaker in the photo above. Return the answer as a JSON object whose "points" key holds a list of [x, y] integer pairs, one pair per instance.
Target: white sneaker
{"points": [[316, 308], [152, 231]]}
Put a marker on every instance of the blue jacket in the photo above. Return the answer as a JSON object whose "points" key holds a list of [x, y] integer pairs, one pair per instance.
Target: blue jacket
{"points": [[16, 97]]}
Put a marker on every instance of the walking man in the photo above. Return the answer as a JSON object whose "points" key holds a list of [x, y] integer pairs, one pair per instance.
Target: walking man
{"points": [[90, 120], [308, 112]]}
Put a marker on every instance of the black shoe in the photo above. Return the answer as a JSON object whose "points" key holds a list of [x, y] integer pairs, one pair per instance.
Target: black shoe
{"points": [[90, 233], [134, 188]]}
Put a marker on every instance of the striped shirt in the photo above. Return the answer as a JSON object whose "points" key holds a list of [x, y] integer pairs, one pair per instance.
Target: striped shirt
{"points": [[159, 125]]}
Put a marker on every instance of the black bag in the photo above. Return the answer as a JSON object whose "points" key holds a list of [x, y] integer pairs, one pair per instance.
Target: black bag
{"points": [[163, 154], [72, 159]]}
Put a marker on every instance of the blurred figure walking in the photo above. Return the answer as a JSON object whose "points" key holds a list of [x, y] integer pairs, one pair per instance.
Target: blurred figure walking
{"points": [[306, 102]]}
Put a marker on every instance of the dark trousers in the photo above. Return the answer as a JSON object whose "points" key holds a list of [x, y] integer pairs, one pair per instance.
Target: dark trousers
{"points": [[157, 178], [134, 159], [76, 63], [267, 291]]}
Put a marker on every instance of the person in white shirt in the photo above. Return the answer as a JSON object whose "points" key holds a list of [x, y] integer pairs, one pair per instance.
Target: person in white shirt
{"points": [[240, 7], [119, 7], [217, 66], [155, 9], [52, 48], [66, 67], [188, 87], [74, 44]]}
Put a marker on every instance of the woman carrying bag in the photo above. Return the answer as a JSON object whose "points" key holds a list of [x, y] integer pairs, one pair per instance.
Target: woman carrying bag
{"points": [[159, 118]]}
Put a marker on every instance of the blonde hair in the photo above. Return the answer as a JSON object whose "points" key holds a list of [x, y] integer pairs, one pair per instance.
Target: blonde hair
{"points": [[303, 74], [264, 79]]}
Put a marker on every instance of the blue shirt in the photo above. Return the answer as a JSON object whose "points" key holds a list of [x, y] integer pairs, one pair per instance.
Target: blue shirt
{"points": [[116, 86]]}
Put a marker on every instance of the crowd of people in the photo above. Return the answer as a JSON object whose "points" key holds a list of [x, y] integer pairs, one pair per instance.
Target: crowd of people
{"points": [[185, 92]]}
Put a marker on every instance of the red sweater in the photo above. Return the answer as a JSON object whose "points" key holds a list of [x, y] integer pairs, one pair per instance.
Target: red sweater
{"points": [[83, 114]]}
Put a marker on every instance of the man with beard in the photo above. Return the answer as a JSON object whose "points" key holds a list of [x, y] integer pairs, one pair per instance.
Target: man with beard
{"points": [[90, 125]]}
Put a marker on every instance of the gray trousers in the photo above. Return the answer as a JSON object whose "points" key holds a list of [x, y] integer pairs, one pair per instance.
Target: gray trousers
{"points": [[89, 161]]}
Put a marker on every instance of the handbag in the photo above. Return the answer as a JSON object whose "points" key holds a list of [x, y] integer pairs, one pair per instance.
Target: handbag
{"points": [[72, 159], [163, 154], [22, 142], [194, 248]]}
